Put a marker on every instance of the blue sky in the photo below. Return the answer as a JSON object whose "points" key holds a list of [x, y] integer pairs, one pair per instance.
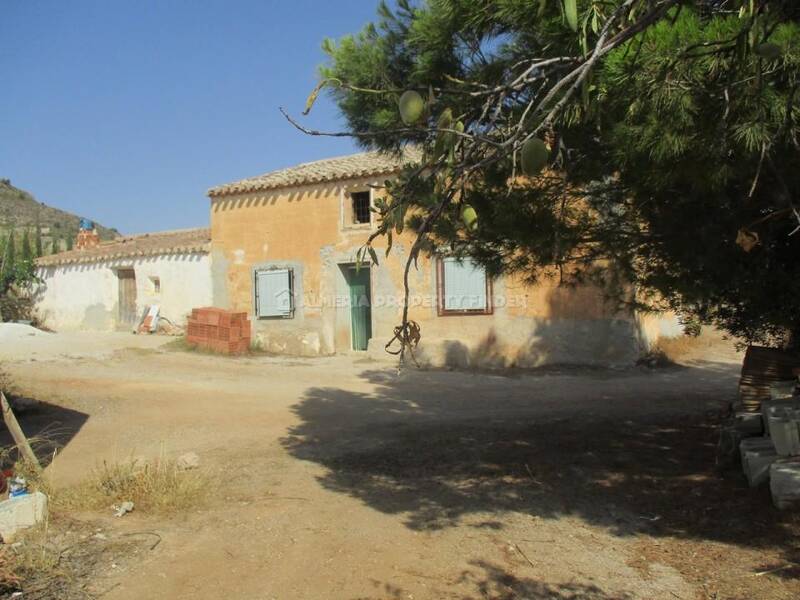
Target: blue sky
{"points": [[127, 111]]}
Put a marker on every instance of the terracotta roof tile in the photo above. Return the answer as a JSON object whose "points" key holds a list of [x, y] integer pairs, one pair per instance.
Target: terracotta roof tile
{"points": [[182, 241], [364, 164]]}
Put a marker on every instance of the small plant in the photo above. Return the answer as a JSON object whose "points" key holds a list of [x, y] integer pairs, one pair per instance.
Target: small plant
{"points": [[159, 485]]}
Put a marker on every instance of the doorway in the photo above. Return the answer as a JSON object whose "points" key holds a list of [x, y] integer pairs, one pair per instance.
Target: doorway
{"points": [[358, 285], [127, 298]]}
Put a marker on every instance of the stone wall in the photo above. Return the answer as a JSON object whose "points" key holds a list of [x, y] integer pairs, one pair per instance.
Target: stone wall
{"points": [[308, 229]]}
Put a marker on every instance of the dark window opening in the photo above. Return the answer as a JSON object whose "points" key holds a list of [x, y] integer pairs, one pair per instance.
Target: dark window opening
{"points": [[361, 212]]}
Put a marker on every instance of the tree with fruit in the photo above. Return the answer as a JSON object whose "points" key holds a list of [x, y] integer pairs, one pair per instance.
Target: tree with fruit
{"points": [[640, 144]]}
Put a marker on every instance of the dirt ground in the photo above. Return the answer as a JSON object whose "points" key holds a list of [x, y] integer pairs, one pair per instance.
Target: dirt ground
{"points": [[337, 478]]}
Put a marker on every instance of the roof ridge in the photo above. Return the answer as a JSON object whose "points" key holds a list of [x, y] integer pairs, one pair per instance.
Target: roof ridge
{"points": [[175, 241], [165, 232], [334, 168], [332, 158], [311, 163]]}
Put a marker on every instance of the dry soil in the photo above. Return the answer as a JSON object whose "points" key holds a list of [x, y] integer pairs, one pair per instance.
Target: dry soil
{"points": [[338, 478]]}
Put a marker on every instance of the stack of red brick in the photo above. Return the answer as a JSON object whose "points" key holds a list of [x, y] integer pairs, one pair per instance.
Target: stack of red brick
{"points": [[219, 330]]}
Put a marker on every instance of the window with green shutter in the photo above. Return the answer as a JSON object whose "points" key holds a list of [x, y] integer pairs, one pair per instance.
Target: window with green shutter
{"points": [[274, 294], [463, 287]]}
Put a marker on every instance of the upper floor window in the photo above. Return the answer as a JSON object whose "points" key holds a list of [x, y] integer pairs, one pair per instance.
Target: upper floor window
{"points": [[361, 205], [463, 287]]}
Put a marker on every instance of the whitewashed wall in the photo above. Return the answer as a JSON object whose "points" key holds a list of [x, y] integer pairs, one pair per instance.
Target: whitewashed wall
{"points": [[85, 296]]}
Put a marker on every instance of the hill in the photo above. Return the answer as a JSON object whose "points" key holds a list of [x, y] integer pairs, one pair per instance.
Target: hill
{"points": [[19, 210]]}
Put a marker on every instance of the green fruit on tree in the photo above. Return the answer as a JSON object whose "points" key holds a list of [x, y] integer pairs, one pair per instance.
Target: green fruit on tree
{"points": [[534, 156], [445, 119], [469, 217], [411, 107], [571, 13], [768, 50], [444, 139]]}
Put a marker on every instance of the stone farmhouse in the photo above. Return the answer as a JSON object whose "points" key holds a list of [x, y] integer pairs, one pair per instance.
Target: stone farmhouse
{"points": [[282, 247], [106, 285]]}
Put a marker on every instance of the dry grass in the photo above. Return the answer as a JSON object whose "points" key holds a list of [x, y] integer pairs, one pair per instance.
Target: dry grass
{"points": [[68, 559], [10, 577], [681, 347], [63, 557], [709, 343], [28, 559], [156, 486]]}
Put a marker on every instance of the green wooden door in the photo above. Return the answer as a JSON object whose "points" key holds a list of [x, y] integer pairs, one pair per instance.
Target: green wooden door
{"points": [[360, 312]]}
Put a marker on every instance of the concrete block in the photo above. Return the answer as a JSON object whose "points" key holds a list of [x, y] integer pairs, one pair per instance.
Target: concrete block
{"points": [[776, 408], [730, 438], [21, 512], [785, 435], [754, 443], [782, 390], [756, 464], [784, 483], [749, 422]]}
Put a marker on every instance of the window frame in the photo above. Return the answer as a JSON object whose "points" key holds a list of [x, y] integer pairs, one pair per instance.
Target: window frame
{"points": [[440, 294], [347, 222], [354, 213], [257, 299]]}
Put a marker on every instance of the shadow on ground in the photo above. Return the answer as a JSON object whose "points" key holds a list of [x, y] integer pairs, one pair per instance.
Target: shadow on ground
{"points": [[461, 452], [496, 582], [49, 427]]}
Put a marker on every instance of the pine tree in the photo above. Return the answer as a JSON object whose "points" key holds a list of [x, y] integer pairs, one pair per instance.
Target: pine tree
{"points": [[39, 246], [11, 250], [68, 243], [3, 268], [8, 267], [27, 251], [671, 154]]}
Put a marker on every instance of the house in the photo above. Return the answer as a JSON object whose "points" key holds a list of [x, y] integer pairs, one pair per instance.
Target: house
{"points": [[106, 285], [283, 249]]}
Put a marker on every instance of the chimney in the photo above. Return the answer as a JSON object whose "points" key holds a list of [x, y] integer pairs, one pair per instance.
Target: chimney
{"points": [[87, 235]]}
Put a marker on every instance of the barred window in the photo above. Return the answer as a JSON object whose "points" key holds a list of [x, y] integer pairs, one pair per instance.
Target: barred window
{"points": [[361, 204]]}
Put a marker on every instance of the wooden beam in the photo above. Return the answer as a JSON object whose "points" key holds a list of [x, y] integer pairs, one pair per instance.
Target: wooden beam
{"points": [[20, 440]]}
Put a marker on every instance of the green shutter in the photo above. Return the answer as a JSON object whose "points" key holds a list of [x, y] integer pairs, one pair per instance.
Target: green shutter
{"points": [[274, 293], [464, 285]]}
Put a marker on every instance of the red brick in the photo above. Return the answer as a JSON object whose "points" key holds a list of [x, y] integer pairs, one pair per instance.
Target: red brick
{"points": [[229, 334], [197, 329]]}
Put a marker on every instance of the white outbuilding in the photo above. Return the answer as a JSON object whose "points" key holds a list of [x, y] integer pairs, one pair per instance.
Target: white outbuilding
{"points": [[105, 286]]}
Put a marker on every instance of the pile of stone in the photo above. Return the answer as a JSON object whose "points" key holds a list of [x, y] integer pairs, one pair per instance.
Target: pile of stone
{"points": [[762, 368], [767, 443]]}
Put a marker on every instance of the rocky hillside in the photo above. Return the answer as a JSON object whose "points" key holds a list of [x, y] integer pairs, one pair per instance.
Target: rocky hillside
{"points": [[20, 210]]}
